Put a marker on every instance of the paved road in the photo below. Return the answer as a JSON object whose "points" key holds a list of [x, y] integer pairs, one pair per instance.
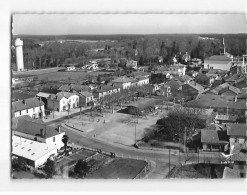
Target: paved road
{"points": [[160, 158]]}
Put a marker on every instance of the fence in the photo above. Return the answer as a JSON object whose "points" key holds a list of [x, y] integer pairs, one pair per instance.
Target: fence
{"points": [[143, 172]]}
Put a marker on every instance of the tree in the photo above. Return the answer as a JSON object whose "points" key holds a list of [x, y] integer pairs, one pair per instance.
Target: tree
{"points": [[50, 168], [81, 168], [65, 140]]}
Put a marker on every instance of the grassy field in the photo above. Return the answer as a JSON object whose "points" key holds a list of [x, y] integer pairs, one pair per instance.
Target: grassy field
{"points": [[119, 169], [54, 75]]}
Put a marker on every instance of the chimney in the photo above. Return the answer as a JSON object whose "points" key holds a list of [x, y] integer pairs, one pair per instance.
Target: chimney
{"points": [[24, 102], [42, 132]]}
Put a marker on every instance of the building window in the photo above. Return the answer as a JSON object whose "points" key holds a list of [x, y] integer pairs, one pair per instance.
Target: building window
{"points": [[54, 139], [20, 112], [27, 110], [236, 140], [33, 109]]}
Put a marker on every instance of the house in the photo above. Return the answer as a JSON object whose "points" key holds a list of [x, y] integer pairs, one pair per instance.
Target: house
{"points": [[225, 90], [184, 78], [178, 69], [241, 82], [62, 101], [231, 79], [34, 107], [131, 64], [222, 118], [242, 96], [74, 87], [220, 104], [85, 98], [175, 85], [122, 82], [139, 81], [203, 79], [102, 90], [214, 141], [21, 95], [38, 131], [32, 152], [221, 62], [192, 89], [153, 88], [237, 133]]}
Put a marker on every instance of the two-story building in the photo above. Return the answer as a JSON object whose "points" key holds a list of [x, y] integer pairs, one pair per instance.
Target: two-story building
{"points": [[102, 90], [86, 98], [38, 131], [34, 107], [237, 133], [192, 89], [62, 101], [122, 82]]}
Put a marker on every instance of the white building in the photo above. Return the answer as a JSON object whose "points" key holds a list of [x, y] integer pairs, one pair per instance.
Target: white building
{"points": [[19, 54], [70, 68], [37, 130], [221, 62], [34, 153], [122, 82], [33, 107], [62, 101]]}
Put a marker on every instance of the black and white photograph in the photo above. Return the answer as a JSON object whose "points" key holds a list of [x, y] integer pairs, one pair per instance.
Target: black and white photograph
{"points": [[127, 96]]}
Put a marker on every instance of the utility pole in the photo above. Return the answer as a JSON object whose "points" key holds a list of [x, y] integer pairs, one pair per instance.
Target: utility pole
{"points": [[169, 161], [185, 139], [198, 160], [135, 134]]}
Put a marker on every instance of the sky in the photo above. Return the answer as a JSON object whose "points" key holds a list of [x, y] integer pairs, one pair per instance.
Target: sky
{"points": [[56, 24]]}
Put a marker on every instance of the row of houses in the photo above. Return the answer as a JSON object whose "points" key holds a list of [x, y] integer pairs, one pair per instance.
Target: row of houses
{"points": [[71, 96]]}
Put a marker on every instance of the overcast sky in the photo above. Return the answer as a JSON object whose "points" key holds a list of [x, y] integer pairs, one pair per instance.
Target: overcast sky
{"points": [[51, 24]]}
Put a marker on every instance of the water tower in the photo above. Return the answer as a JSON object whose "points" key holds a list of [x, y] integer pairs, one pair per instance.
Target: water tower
{"points": [[19, 54]]}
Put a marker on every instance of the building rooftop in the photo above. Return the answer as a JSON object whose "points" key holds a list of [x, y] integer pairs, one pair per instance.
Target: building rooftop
{"points": [[213, 136], [43, 94], [30, 149], [219, 58], [196, 86], [202, 77], [174, 83], [32, 127], [237, 129], [215, 101], [86, 94], [122, 80], [26, 104], [20, 95], [62, 94]]}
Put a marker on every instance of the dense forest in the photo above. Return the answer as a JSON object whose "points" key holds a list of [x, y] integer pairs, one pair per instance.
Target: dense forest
{"points": [[51, 51]]}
